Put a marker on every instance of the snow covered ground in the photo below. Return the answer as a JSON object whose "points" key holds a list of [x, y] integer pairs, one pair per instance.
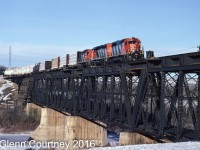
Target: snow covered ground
{"points": [[113, 140], [164, 146], [4, 84], [8, 92]]}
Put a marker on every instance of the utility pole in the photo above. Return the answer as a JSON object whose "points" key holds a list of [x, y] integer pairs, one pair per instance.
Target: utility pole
{"points": [[10, 57]]}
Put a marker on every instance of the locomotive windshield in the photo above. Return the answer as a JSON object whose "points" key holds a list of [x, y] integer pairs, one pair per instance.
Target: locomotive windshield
{"points": [[132, 42]]}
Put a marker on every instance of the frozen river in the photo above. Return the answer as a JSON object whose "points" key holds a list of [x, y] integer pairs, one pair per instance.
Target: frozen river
{"points": [[8, 139]]}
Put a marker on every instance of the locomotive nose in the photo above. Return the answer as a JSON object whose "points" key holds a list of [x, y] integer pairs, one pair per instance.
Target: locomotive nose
{"points": [[132, 47]]}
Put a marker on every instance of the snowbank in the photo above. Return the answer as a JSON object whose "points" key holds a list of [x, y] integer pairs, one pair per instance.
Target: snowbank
{"points": [[5, 84], [164, 146]]}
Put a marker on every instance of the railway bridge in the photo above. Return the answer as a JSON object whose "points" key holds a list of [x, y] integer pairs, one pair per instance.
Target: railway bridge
{"points": [[158, 97]]}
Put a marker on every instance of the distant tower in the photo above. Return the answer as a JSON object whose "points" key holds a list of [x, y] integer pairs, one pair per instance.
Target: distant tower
{"points": [[10, 57]]}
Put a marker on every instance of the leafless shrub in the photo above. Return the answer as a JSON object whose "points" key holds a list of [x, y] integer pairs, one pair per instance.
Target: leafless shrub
{"points": [[16, 119]]}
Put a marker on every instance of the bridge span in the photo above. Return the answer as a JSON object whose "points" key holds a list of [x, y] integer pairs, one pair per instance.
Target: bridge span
{"points": [[158, 97]]}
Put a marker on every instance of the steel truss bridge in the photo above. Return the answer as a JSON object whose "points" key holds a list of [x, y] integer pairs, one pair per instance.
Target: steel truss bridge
{"points": [[159, 97]]}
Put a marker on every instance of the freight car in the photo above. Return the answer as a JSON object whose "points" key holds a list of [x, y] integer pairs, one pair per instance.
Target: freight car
{"points": [[55, 63], [45, 65], [64, 61], [19, 70], [42, 66], [72, 59]]}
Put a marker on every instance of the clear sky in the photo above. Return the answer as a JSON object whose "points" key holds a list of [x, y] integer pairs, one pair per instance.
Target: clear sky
{"points": [[44, 29]]}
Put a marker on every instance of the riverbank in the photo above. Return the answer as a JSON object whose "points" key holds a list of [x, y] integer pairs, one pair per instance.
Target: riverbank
{"points": [[13, 116]]}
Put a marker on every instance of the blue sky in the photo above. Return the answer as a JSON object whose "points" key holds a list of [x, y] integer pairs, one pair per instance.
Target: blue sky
{"points": [[44, 29]]}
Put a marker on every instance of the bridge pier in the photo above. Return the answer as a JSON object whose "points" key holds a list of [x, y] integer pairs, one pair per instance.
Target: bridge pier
{"points": [[58, 127], [127, 138], [31, 107]]}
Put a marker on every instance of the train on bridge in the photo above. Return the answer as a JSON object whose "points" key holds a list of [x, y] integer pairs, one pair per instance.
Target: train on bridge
{"points": [[128, 49], [116, 85]]}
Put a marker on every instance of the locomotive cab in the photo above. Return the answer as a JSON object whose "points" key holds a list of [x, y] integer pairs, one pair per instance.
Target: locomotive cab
{"points": [[132, 47]]}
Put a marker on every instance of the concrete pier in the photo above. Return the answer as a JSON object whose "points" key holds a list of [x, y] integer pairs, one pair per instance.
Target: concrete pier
{"points": [[30, 107], [127, 138], [58, 127]]}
